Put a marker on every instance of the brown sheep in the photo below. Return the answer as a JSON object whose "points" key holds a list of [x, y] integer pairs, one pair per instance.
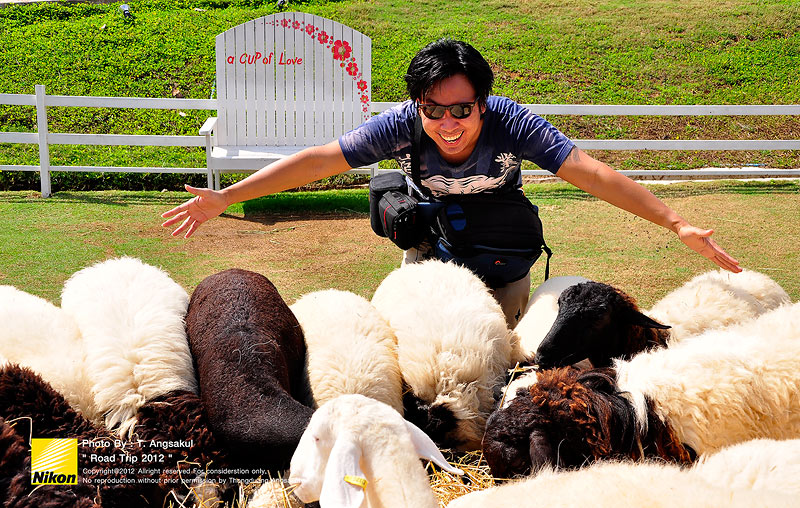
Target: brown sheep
{"points": [[570, 417], [37, 410]]}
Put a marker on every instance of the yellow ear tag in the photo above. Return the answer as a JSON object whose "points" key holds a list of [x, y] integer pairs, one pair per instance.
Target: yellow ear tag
{"points": [[356, 480]]}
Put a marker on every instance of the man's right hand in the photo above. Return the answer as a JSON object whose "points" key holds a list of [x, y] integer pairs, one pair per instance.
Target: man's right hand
{"points": [[206, 204]]}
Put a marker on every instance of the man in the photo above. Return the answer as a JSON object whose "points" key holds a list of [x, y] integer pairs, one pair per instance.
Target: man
{"points": [[478, 142]]}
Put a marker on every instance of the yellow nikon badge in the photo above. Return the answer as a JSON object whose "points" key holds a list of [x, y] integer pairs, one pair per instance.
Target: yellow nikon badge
{"points": [[54, 461]]}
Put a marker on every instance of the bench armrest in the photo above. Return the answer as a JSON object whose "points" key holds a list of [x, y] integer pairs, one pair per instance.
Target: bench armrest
{"points": [[208, 126]]}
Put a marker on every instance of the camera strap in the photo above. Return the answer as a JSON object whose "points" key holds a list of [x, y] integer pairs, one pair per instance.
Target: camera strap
{"points": [[415, 156]]}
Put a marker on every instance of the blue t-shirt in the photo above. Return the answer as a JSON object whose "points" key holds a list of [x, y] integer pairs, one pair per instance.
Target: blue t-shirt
{"points": [[510, 133]]}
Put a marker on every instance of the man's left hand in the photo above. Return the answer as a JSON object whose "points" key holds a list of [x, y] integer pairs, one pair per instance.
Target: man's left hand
{"points": [[700, 241]]}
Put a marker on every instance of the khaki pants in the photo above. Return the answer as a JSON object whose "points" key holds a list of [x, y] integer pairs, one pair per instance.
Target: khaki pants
{"points": [[513, 297]]}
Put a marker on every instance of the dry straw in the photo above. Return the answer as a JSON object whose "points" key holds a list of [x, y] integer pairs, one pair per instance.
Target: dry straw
{"points": [[447, 486]]}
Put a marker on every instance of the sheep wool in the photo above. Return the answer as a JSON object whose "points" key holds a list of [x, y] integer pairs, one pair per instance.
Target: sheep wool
{"points": [[695, 397], [176, 420], [250, 356], [724, 386], [131, 317], [760, 464], [40, 411], [13, 453], [350, 348], [622, 485], [359, 452], [39, 335], [454, 347], [717, 299]]}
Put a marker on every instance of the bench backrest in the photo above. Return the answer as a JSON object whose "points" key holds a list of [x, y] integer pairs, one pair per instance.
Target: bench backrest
{"points": [[291, 79]]}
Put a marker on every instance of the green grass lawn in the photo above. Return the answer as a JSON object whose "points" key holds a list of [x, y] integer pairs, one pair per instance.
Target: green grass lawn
{"points": [[45, 241]]}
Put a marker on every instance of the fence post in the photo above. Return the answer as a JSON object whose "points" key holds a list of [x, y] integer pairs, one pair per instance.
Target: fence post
{"points": [[44, 147]]}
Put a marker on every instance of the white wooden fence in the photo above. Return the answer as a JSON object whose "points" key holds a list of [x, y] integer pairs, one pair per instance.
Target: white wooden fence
{"points": [[44, 138]]}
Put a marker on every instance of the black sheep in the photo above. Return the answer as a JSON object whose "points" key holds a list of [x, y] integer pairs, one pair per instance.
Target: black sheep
{"points": [[249, 356], [598, 322]]}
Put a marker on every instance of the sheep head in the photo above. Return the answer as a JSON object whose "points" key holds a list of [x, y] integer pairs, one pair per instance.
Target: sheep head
{"points": [[598, 322], [436, 419], [567, 418], [343, 440]]}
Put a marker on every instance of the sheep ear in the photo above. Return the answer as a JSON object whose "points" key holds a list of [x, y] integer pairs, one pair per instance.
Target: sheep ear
{"points": [[344, 481], [639, 319], [427, 449], [540, 451]]}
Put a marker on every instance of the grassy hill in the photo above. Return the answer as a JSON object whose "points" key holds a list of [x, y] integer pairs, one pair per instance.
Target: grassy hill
{"points": [[611, 51]]}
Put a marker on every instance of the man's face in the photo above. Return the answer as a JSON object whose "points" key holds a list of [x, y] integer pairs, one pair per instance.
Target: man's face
{"points": [[455, 138]]}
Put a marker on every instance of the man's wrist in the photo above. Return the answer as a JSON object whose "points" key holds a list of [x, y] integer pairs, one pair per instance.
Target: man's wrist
{"points": [[677, 224]]}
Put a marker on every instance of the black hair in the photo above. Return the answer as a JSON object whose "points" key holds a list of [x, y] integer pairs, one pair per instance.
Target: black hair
{"points": [[446, 58]]}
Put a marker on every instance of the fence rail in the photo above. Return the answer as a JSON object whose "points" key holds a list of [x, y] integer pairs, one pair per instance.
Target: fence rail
{"points": [[44, 138]]}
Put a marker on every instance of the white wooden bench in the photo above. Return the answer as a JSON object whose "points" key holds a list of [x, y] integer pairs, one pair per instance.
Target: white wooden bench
{"points": [[285, 82]]}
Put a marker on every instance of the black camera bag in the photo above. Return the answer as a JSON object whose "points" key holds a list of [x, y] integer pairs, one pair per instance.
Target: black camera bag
{"points": [[497, 236], [400, 219], [379, 185]]}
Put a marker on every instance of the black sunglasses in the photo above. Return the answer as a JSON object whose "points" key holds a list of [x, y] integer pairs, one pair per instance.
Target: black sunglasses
{"points": [[436, 112]]}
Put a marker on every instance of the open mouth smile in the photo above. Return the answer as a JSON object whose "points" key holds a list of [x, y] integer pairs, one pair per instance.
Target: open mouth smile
{"points": [[451, 139]]}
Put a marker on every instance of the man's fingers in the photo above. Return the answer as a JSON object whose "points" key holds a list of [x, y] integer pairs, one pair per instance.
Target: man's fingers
{"points": [[721, 258], [727, 265], [191, 229], [177, 209], [174, 220], [183, 226]]}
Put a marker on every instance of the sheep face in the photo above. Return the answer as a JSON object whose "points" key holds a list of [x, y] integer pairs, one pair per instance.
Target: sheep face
{"points": [[567, 418], [437, 420], [346, 442], [595, 321]]}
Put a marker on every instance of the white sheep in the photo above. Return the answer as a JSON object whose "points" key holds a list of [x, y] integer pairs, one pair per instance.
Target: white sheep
{"points": [[541, 311], [454, 347], [350, 348], [717, 299], [701, 394], [41, 336], [724, 386], [760, 464], [613, 484], [131, 316], [359, 452]]}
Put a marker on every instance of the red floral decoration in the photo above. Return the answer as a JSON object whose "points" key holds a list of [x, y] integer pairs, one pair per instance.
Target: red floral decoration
{"points": [[341, 50]]}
